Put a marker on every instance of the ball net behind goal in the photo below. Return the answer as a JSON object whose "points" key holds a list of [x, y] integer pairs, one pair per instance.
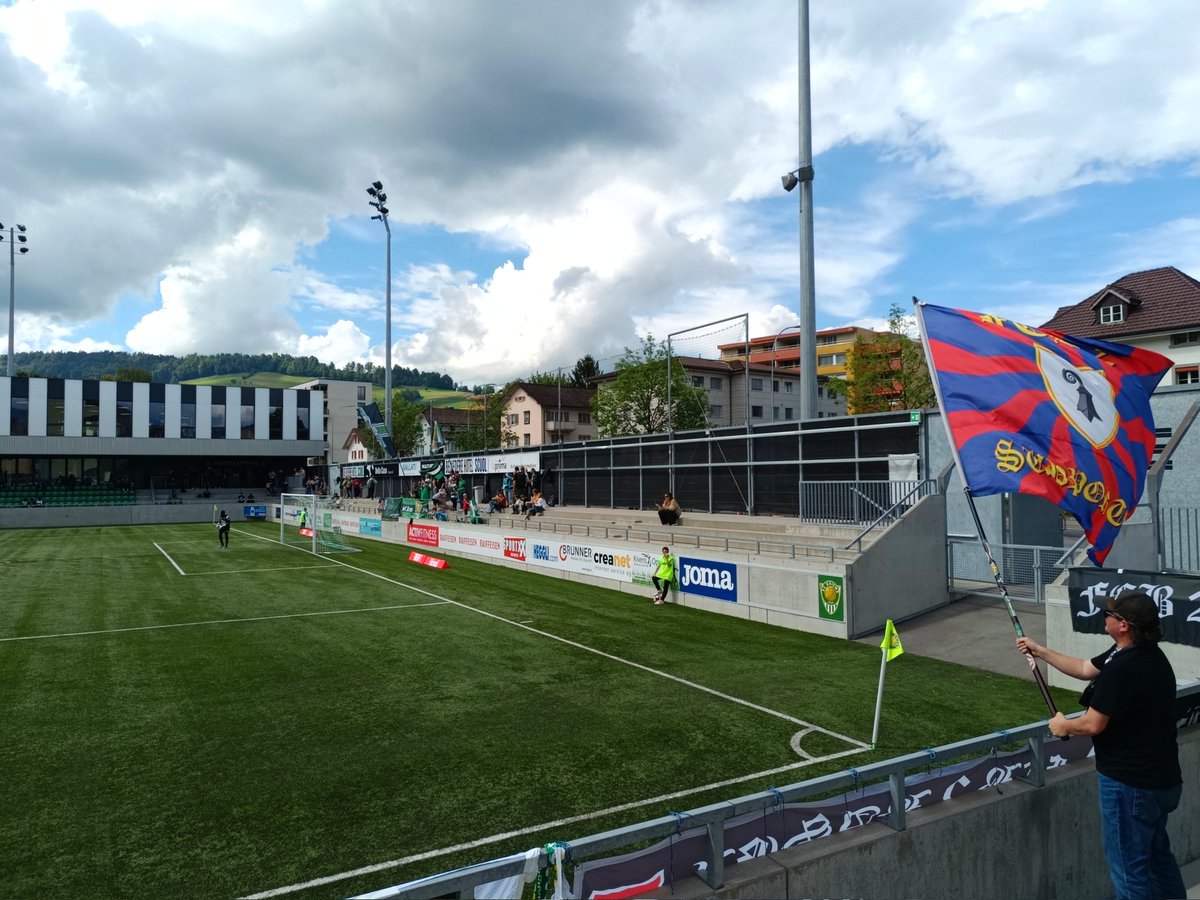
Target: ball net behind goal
{"points": [[312, 521]]}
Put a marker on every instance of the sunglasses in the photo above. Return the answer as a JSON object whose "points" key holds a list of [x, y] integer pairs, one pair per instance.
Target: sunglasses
{"points": [[1109, 614]]}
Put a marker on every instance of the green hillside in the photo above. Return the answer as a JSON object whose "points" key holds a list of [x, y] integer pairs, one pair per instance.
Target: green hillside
{"points": [[437, 397]]}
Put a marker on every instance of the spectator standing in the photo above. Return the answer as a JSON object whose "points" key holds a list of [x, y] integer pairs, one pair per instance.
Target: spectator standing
{"points": [[506, 485], [664, 576], [1130, 717]]}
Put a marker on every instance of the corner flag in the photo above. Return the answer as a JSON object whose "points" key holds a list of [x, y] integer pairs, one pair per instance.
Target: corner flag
{"points": [[891, 645]]}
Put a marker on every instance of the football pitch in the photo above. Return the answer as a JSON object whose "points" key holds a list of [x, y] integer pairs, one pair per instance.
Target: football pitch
{"points": [[185, 721]]}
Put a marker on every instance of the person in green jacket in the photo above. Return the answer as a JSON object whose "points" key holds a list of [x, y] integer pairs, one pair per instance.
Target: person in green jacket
{"points": [[664, 576]]}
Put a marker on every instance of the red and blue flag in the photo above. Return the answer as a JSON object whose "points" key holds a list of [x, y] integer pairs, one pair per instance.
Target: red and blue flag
{"points": [[1033, 411]]}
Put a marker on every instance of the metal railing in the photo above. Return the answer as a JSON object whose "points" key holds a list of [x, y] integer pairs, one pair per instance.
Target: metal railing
{"points": [[1180, 531], [1026, 568], [461, 882]]}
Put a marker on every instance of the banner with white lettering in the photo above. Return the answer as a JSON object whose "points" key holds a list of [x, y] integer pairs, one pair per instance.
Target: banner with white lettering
{"points": [[1177, 596], [760, 833]]}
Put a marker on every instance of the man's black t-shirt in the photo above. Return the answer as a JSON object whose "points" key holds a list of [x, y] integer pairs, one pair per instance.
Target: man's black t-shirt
{"points": [[1136, 690]]}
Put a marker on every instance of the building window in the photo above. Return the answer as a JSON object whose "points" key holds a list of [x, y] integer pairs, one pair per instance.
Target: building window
{"points": [[124, 418], [1185, 339], [787, 387], [527, 439], [774, 413], [301, 423], [585, 418], [216, 417], [787, 413], [756, 412], [829, 339], [362, 393], [248, 421], [512, 419], [1187, 375], [714, 383], [716, 411], [832, 359], [526, 422], [775, 386], [698, 381], [756, 384], [1111, 315]]}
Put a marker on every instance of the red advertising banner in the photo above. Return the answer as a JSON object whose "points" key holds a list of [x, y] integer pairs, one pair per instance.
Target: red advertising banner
{"points": [[425, 535]]}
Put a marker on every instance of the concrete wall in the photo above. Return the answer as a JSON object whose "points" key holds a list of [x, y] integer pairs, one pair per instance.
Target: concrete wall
{"points": [[1024, 842], [903, 572]]}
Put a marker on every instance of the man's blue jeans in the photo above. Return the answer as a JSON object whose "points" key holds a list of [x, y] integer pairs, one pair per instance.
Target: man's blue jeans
{"points": [[1136, 845]]}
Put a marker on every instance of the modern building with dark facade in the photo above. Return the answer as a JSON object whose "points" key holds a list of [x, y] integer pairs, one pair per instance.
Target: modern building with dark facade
{"points": [[138, 434]]}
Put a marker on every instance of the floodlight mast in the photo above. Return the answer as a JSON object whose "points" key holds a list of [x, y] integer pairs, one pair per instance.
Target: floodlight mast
{"points": [[802, 176], [378, 201], [16, 236]]}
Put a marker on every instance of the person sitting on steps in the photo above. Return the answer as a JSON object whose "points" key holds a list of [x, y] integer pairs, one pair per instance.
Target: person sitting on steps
{"points": [[669, 511]]}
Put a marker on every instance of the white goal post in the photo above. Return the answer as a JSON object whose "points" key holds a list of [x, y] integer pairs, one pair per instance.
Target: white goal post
{"points": [[307, 520]]}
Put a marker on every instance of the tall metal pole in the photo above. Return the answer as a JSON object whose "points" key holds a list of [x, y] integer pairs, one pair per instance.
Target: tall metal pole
{"points": [[378, 201], [387, 376], [808, 287], [16, 235], [12, 287]]}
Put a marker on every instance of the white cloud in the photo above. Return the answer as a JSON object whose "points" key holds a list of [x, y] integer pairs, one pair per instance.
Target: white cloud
{"points": [[189, 157]]}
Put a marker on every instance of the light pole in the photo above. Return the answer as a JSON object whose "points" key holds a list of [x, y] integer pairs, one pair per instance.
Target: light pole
{"points": [[16, 235], [774, 348], [378, 199], [803, 176]]}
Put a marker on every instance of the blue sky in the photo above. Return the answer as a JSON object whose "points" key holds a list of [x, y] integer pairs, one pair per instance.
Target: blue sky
{"points": [[566, 176]]}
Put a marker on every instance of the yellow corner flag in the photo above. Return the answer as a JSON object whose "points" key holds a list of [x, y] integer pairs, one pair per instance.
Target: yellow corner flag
{"points": [[891, 645]]}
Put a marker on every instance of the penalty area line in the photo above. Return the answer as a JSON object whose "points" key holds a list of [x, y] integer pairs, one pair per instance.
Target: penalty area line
{"points": [[544, 826]]}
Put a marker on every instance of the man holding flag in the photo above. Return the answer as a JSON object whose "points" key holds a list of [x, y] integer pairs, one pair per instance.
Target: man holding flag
{"points": [[1033, 411]]}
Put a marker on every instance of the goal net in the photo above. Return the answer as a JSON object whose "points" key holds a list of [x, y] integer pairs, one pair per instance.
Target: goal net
{"points": [[311, 521]]}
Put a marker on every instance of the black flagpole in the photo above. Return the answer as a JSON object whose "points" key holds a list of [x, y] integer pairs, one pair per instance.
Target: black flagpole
{"points": [[1012, 614]]}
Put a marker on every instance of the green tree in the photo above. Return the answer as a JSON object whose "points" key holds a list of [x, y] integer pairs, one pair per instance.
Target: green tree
{"points": [[888, 372], [636, 402], [585, 370], [130, 373]]}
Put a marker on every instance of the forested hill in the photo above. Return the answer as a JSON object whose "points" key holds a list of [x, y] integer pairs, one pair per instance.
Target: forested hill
{"points": [[166, 369]]}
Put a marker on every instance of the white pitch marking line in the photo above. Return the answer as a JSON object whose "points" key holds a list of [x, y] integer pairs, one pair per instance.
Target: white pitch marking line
{"points": [[171, 561], [545, 826], [627, 662], [327, 612], [256, 571]]}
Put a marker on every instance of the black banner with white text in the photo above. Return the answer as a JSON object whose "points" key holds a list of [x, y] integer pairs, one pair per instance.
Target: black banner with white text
{"points": [[1177, 596]]}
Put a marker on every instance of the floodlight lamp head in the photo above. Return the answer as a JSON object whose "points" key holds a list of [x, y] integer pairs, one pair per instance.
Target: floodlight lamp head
{"points": [[383, 210], [378, 185], [382, 197], [20, 228], [373, 218], [22, 238], [371, 191], [790, 181], [24, 250]]}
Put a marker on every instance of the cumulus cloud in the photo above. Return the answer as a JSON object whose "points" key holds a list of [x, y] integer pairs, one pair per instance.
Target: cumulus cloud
{"points": [[204, 161]]}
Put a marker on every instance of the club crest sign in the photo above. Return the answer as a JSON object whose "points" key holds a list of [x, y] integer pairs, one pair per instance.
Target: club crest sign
{"points": [[1083, 396], [831, 595]]}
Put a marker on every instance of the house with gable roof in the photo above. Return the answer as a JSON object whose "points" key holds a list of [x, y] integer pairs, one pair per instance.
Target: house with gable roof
{"points": [[1158, 309]]}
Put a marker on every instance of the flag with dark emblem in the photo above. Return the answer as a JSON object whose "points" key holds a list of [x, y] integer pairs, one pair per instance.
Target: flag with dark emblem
{"points": [[1033, 411]]}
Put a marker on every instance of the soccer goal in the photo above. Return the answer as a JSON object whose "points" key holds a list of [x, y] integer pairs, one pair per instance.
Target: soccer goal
{"points": [[309, 521]]}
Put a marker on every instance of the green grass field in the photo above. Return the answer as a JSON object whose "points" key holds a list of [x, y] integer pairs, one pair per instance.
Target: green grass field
{"points": [[436, 397], [183, 721]]}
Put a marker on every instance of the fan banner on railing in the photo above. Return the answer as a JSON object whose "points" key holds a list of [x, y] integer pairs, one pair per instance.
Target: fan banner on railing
{"points": [[1033, 411], [757, 834], [1177, 596], [369, 413]]}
